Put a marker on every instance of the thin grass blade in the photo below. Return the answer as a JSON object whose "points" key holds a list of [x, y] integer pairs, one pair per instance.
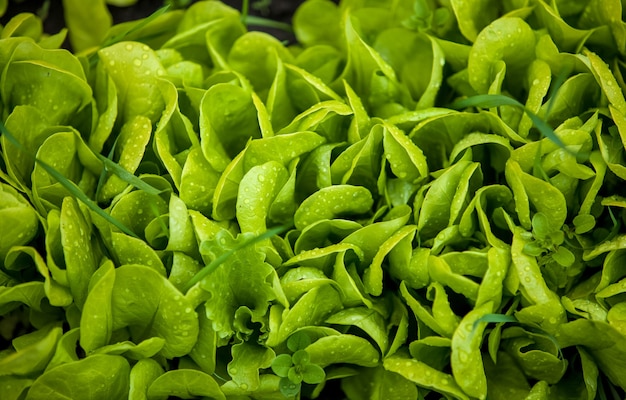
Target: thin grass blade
{"points": [[67, 184], [495, 318], [127, 177], [268, 23], [497, 100], [138, 26], [222, 258]]}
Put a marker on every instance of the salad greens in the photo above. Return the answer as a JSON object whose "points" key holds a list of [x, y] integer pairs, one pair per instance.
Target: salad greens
{"points": [[419, 199]]}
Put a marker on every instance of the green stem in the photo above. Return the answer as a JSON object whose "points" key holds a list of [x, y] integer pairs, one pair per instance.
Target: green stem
{"points": [[244, 10]]}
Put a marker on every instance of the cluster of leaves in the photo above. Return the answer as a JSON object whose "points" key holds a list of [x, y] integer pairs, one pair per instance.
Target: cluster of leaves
{"points": [[297, 367], [421, 199]]}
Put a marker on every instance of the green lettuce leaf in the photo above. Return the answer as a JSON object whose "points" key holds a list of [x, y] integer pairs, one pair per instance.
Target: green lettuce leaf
{"points": [[95, 377]]}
